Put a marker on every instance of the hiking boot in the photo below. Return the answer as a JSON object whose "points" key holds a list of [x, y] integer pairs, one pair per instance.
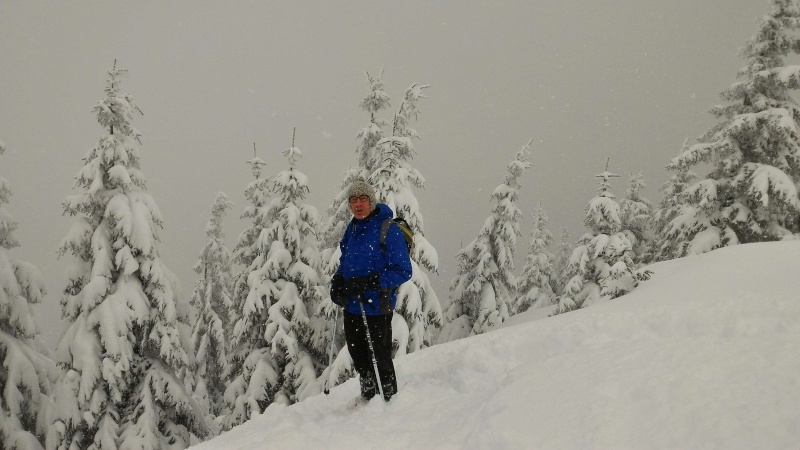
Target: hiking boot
{"points": [[367, 387], [389, 389]]}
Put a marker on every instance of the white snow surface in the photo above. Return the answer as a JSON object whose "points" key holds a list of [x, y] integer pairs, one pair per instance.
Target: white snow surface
{"points": [[703, 355]]}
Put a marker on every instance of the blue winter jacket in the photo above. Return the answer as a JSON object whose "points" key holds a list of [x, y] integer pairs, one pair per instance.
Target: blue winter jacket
{"points": [[362, 255]]}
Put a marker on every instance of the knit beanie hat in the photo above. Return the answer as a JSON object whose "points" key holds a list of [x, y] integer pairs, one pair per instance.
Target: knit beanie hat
{"points": [[361, 187]]}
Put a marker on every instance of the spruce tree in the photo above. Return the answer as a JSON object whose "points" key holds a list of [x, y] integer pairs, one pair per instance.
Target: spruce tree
{"points": [[292, 263], [636, 218], [247, 250], [212, 299], [393, 179], [750, 194], [123, 363], [535, 283], [338, 216], [482, 291], [670, 206], [251, 374], [284, 286], [601, 267], [26, 373], [561, 262], [384, 161]]}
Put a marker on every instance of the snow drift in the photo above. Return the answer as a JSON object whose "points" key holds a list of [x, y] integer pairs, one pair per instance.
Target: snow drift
{"points": [[703, 355]]}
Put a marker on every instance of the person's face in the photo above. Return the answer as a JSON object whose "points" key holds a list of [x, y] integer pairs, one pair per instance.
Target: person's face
{"points": [[359, 206]]}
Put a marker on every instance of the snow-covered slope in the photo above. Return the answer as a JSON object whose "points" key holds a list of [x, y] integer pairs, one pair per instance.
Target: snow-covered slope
{"points": [[704, 355]]}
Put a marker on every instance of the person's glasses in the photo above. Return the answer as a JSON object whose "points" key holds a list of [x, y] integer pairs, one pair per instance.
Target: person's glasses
{"points": [[356, 198]]}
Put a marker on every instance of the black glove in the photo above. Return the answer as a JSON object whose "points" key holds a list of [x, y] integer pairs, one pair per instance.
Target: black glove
{"points": [[357, 286], [338, 295]]}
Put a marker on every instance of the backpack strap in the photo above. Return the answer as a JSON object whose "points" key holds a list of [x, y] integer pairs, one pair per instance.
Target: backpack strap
{"points": [[386, 293], [385, 231]]}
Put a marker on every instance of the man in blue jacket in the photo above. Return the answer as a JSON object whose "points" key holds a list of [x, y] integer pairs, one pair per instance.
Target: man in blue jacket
{"points": [[368, 276]]}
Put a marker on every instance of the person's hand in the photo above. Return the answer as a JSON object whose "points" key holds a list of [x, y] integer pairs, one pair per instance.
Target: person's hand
{"points": [[338, 295], [357, 286]]}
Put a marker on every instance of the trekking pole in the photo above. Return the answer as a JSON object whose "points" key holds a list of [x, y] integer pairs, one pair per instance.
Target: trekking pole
{"points": [[371, 349], [330, 353]]}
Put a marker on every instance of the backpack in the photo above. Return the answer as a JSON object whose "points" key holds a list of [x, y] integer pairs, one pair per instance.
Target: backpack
{"points": [[404, 227]]}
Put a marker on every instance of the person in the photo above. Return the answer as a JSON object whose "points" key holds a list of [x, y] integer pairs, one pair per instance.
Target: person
{"points": [[368, 276]]}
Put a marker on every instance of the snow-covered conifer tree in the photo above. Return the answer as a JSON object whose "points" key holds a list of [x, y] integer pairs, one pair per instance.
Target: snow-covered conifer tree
{"points": [[393, 179], [601, 267], [750, 195], [247, 251], [293, 260], [123, 361], [535, 283], [212, 299], [26, 373], [636, 218], [284, 288], [385, 162], [482, 291], [662, 247], [338, 216], [251, 374], [565, 248]]}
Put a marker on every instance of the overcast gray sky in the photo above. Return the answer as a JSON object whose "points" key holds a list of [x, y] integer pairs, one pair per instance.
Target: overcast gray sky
{"points": [[625, 79]]}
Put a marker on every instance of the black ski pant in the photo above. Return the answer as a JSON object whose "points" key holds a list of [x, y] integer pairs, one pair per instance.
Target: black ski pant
{"points": [[380, 330]]}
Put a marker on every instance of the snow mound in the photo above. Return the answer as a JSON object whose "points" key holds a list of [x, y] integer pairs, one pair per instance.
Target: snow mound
{"points": [[703, 355]]}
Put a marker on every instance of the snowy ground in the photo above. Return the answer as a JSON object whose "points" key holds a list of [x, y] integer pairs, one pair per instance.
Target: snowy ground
{"points": [[704, 355]]}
